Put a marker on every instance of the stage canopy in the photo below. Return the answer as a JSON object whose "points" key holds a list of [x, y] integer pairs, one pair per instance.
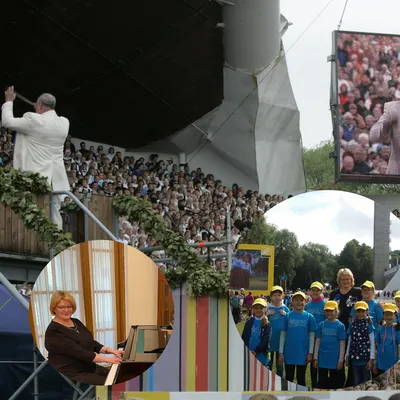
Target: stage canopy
{"points": [[135, 71]]}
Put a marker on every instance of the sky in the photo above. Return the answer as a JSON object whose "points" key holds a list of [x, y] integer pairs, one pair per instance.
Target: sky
{"points": [[331, 218], [308, 57]]}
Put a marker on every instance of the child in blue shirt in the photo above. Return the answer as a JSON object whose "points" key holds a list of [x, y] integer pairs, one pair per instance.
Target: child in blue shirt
{"points": [[361, 344], [257, 331], [296, 345], [387, 337], [316, 308], [374, 310], [330, 346], [275, 313]]}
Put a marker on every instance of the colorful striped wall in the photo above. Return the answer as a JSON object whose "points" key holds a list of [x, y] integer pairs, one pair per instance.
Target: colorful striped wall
{"points": [[205, 353]]}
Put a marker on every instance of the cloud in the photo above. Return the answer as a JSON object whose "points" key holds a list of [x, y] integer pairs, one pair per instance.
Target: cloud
{"points": [[331, 218]]}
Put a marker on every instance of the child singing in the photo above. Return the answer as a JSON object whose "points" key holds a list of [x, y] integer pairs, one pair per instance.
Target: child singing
{"points": [[257, 331], [361, 344], [388, 339], [296, 345], [275, 312], [330, 346]]}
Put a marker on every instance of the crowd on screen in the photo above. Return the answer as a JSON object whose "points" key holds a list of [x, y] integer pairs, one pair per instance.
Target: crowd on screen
{"points": [[328, 329], [193, 202], [368, 77]]}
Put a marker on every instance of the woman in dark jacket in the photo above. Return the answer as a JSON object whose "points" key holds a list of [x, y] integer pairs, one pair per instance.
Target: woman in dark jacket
{"points": [[346, 295], [71, 347]]}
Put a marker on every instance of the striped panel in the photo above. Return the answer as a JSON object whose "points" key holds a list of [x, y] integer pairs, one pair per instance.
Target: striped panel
{"points": [[213, 345], [205, 353], [202, 343], [223, 338], [191, 324]]}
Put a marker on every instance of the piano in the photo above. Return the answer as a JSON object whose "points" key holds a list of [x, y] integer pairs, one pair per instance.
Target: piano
{"points": [[142, 349]]}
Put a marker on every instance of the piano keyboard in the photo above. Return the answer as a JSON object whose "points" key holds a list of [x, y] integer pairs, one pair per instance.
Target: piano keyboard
{"points": [[113, 373]]}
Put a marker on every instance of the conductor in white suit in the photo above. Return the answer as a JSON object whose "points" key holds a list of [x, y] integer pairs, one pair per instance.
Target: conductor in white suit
{"points": [[39, 142]]}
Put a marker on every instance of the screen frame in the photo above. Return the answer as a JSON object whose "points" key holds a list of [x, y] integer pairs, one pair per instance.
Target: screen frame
{"points": [[334, 107]]}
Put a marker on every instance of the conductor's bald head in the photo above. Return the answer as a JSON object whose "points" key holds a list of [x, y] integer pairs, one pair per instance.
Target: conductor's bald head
{"points": [[45, 102]]}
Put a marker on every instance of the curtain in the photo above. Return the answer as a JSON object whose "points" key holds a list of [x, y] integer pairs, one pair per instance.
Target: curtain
{"points": [[102, 272], [62, 273]]}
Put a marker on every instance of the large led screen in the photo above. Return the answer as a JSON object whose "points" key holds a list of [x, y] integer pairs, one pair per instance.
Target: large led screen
{"points": [[367, 120]]}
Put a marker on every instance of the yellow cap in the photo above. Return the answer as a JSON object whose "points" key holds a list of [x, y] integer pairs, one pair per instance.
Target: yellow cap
{"points": [[368, 284], [331, 305], [361, 305], [397, 295], [299, 294], [276, 289], [388, 307], [260, 301], [317, 285]]}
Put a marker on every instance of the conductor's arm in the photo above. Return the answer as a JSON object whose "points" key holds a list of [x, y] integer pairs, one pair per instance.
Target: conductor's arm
{"points": [[21, 125], [382, 130]]}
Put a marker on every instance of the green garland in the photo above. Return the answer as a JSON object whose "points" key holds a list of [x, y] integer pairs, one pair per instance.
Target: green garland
{"points": [[201, 278], [18, 190]]}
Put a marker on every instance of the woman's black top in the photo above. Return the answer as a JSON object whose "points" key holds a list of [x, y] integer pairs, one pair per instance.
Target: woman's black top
{"points": [[71, 350], [346, 303]]}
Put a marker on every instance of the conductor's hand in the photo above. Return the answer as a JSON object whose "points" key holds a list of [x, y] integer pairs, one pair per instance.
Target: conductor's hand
{"points": [[10, 94]]}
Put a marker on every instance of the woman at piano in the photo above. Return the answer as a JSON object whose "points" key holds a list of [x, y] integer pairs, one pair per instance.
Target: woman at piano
{"points": [[71, 347]]}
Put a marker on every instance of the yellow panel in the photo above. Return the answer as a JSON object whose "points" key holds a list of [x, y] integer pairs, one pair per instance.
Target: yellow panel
{"points": [[191, 344], [101, 392]]}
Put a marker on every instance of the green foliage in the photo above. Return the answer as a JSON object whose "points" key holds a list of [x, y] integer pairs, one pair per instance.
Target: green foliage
{"points": [[320, 173], [201, 278], [69, 207], [18, 190]]}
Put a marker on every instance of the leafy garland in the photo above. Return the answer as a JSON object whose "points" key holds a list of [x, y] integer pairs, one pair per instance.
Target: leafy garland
{"points": [[18, 190], [201, 279]]}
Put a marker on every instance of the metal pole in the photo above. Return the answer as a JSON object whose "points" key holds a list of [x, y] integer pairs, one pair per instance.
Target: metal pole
{"points": [[203, 257], [17, 295], [52, 251], [229, 237], [72, 384], [194, 245], [88, 212], [86, 393], [86, 220], [28, 381], [36, 378], [77, 391]]}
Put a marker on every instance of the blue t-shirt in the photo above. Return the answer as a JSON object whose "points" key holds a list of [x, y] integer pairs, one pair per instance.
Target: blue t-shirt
{"points": [[254, 341], [331, 334], [374, 311], [297, 327], [371, 329], [388, 340], [316, 308], [276, 321]]}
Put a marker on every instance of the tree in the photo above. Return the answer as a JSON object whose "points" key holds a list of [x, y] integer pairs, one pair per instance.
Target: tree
{"points": [[287, 255], [318, 264], [359, 259], [260, 233], [320, 173]]}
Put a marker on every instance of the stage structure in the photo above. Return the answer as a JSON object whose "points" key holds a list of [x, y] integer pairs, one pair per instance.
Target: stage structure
{"points": [[255, 131]]}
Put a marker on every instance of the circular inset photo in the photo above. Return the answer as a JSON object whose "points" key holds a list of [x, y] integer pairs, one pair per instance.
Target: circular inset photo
{"points": [[101, 312], [318, 301]]}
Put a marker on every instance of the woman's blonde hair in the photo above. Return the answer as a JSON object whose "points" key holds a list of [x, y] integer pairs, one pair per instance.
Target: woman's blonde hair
{"points": [[59, 296], [344, 271], [263, 397]]}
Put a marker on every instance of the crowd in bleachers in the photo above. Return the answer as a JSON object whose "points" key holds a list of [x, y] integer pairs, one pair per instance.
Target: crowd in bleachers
{"points": [[368, 77], [192, 202]]}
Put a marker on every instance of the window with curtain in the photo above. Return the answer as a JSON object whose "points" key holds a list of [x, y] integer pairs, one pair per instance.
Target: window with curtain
{"points": [[102, 271], [62, 273]]}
